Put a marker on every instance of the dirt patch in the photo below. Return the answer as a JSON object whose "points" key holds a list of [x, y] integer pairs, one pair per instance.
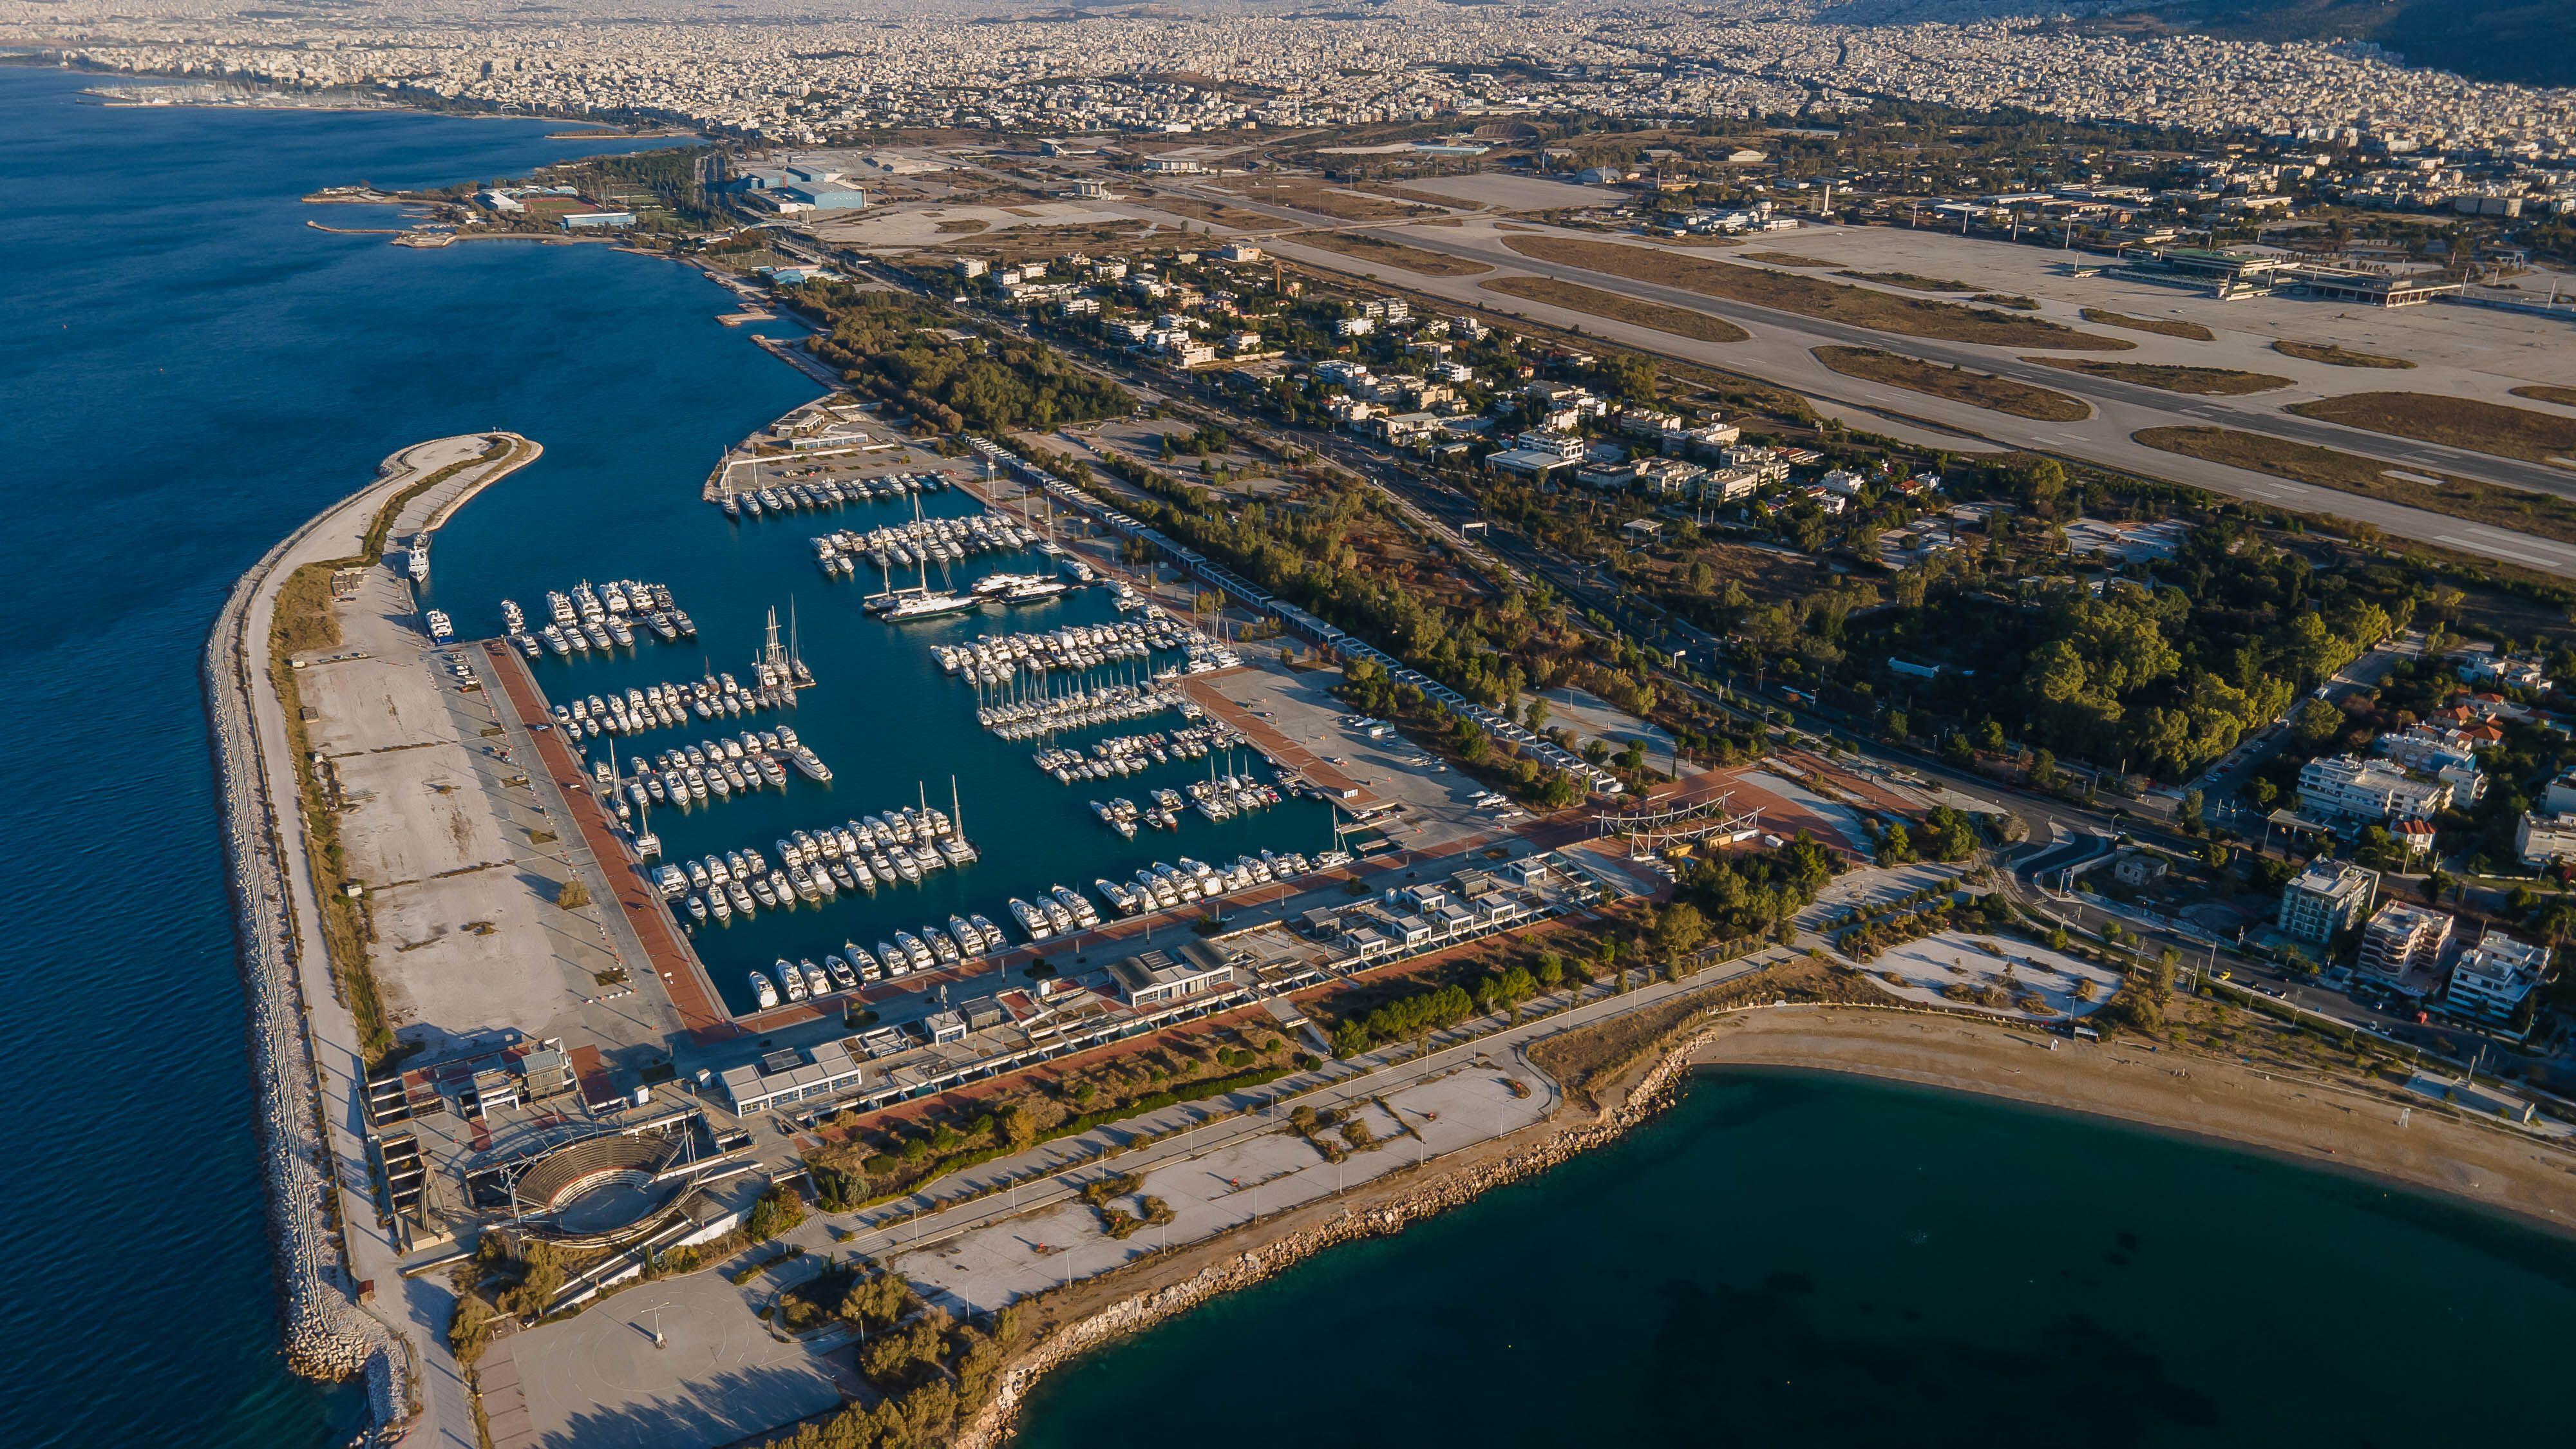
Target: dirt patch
{"points": [[2198, 381], [2161, 326], [1789, 259], [967, 226], [1811, 297], [1214, 213], [2453, 422], [1910, 281], [1679, 321], [2333, 356], [2565, 397], [2539, 514], [1392, 253], [1977, 389], [1328, 200], [1050, 241]]}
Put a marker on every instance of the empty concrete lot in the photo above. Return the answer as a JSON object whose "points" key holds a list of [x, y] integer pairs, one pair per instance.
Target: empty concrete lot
{"points": [[1220, 1188]]}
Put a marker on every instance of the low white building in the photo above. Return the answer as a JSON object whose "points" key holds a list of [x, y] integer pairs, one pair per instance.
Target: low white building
{"points": [[2540, 839], [2348, 787]]}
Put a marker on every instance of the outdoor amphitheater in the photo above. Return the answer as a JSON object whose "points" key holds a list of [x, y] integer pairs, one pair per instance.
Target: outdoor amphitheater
{"points": [[603, 1190]]}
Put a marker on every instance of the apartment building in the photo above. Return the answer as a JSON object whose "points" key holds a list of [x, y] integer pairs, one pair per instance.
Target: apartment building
{"points": [[2401, 948], [2327, 897], [2493, 981], [2348, 787]]}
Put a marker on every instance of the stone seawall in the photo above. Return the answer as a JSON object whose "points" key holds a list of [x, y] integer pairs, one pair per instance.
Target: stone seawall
{"points": [[992, 1426], [327, 1334]]}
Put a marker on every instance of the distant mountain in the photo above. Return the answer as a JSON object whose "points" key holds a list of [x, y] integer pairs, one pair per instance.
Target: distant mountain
{"points": [[2532, 42]]}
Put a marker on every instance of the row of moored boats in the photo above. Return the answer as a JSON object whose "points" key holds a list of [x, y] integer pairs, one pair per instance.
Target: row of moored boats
{"points": [[786, 498], [816, 867], [718, 769], [660, 706], [921, 542], [602, 619], [993, 660], [1073, 709], [1121, 755]]}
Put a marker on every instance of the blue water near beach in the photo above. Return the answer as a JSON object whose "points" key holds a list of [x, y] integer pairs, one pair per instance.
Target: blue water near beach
{"points": [[1801, 1260], [188, 371]]}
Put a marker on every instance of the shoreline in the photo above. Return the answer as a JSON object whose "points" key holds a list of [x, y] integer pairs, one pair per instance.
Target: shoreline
{"points": [[293, 1018], [2304, 1121], [2495, 1173]]}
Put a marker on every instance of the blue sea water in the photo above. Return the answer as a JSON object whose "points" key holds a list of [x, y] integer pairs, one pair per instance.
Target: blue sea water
{"points": [[1804, 1260], [188, 371]]}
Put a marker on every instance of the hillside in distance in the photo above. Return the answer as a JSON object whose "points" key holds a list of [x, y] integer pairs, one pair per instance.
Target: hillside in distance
{"points": [[2530, 42]]}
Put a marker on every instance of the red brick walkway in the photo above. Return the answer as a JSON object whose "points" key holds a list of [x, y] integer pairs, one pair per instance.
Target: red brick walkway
{"points": [[671, 960]]}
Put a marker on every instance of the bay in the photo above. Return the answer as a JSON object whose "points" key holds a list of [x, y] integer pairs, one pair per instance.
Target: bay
{"points": [[1789, 1258], [188, 372]]}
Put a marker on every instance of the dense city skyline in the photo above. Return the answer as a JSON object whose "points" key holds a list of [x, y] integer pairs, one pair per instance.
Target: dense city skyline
{"points": [[794, 73]]}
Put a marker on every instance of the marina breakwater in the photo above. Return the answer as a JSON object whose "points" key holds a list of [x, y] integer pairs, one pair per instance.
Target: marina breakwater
{"points": [[993, 1425], [327, 1334]]}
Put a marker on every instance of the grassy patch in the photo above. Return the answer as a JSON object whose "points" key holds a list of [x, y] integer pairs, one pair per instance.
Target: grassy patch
{"points": [[2198, 381], [2539, 514], [1812, 297], [1789, 259], [2453, 422], [2565, 397], [1394, 254], [1679, 321], [1911, 281], [2333, 356], [962, 226], [1999, 299], [1977, 389], [2162, 326]]}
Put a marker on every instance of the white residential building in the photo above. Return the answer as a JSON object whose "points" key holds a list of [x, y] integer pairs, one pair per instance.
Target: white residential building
{"points": [[2493, 979], [2402, 947], [2540, 839], [2349, 787]]}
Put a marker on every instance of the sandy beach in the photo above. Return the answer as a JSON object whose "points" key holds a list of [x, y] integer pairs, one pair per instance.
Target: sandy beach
{"points": [[2304, 1116]]}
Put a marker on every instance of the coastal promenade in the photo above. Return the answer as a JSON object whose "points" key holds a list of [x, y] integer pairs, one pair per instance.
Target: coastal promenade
{"points": [[308, 1051], [641, 926], [1017, 1226]]}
